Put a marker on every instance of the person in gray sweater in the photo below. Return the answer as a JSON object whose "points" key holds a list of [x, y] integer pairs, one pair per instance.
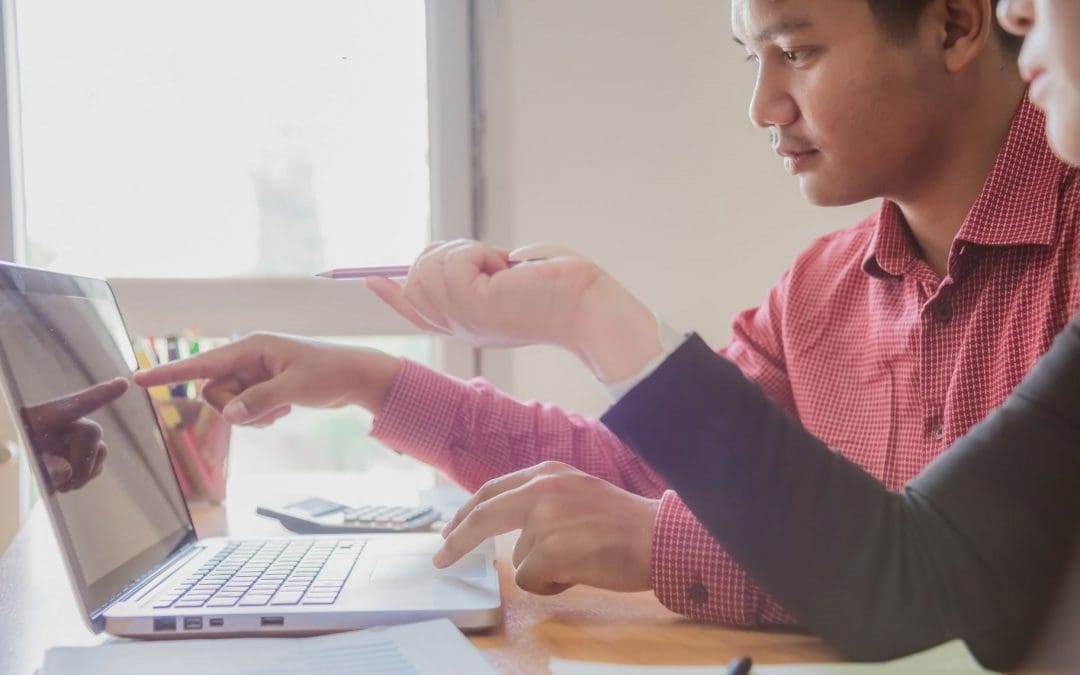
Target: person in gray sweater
{"points": [[975, 547]]}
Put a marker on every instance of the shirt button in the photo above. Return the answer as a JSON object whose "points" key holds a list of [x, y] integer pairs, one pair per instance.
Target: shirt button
{"points": [[943, 312], [698, 594]]}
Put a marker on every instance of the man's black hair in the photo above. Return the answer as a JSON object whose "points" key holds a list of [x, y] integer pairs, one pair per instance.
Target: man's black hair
{"points": [[900, 17]]}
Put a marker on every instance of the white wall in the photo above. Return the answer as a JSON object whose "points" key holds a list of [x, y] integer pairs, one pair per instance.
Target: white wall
{"points": [[620, 128]]}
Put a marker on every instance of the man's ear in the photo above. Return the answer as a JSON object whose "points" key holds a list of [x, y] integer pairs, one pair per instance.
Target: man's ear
{"points": [[965, 27]]}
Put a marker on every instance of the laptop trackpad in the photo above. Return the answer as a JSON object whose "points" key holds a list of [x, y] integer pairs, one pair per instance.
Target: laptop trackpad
{"points": [[401, 568]]}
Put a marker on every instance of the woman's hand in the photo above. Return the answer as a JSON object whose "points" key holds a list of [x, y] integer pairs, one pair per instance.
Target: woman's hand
{"points": [[535, 295]]}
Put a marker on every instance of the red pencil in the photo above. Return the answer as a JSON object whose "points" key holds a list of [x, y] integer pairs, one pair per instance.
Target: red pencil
{"points": [[388, 271]]}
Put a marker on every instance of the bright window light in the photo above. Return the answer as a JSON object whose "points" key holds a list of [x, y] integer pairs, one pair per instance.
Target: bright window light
{"points": [[221, 138]]}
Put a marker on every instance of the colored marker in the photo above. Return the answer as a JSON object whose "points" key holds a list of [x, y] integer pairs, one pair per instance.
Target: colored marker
{"points": [[172, 345], [194, 388]]}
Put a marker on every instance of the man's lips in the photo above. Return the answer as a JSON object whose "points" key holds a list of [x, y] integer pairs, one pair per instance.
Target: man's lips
{"points": [[796, 158], [1031, 73], [1037, 82], [792, 152]]}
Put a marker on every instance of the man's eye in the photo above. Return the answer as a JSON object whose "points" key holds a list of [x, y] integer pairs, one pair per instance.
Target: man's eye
{"points": [[797, 56], [750, 58]]}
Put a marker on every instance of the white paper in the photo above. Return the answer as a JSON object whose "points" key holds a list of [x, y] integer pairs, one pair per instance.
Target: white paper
{"points": [[951, 658], [428, 648]]}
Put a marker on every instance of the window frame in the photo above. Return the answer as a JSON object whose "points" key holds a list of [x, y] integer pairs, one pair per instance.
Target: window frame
{"points": [[313, 307]]}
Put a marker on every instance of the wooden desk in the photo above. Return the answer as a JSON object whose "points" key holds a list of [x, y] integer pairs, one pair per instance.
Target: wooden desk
{"points": [[37, 610]]}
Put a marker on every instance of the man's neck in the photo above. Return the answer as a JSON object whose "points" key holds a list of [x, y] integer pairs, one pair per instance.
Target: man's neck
{"points": [[936, 209]]}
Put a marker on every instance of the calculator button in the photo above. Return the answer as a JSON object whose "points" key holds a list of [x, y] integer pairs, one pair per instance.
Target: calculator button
{"points": [[316, 507]]}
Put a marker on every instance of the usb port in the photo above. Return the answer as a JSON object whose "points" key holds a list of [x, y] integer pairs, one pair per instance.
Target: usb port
{"points": [[164, 623], [217, 623], [273, 621], [192, 623]]}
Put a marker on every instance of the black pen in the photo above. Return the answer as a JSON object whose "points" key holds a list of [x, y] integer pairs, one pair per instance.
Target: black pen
{"points": [[739, 666]]}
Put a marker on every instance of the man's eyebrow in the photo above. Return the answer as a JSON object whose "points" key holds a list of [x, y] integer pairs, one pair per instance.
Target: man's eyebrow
{"points": [[781, 28]]}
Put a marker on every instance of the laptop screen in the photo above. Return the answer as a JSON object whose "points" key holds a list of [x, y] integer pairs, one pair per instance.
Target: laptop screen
{"points": [[100, 459]]}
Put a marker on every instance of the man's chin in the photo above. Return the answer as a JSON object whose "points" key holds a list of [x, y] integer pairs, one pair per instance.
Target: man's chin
{"points": [[1064, 137], [820, 191]]}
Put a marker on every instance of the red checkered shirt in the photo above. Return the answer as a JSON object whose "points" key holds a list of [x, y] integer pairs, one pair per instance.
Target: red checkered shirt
{"points": [[861, 340]]}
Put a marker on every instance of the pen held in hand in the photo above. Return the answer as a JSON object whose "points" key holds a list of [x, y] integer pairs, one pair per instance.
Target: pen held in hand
{"points": [[388, 271]]}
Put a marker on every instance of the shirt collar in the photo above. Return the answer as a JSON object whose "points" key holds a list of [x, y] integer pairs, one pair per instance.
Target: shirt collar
{"points": [[1017, 205]]}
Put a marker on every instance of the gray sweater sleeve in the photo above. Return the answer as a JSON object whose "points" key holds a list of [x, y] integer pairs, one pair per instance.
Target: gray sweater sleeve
{"points": [[971, 548]]}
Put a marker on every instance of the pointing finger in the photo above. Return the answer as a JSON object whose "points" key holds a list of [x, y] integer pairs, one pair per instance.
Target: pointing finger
{"points": [[504, 513], [215, 363], [487, 491]]}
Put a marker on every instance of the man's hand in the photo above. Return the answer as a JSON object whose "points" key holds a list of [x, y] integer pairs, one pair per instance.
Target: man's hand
{"points": [[70, 445], [554, 296], [575, 529], [256, 380]]}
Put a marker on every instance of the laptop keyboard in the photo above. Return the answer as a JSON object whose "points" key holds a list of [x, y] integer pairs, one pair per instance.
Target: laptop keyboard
{"points": [[268, 573]]}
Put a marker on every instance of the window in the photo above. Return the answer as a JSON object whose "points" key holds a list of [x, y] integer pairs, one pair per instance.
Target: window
{"points": [[209, 157], [207, 138]]}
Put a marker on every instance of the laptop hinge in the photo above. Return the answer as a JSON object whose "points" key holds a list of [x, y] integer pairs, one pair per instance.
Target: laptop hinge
{"points": [[158, 573]]}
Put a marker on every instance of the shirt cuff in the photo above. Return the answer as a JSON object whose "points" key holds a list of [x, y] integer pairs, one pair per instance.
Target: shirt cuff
{"points": [[419, 413], [692, 575], [669, 339]]}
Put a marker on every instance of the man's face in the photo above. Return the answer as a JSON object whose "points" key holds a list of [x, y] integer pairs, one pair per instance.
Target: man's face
{"points": [[852, 113], [1050, 61]]}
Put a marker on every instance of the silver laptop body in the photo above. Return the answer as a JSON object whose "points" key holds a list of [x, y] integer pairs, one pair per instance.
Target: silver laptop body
{"points": [[134, 561]]}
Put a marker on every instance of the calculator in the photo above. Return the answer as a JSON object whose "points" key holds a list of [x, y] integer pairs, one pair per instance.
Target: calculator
{"points": [[316, 516]]}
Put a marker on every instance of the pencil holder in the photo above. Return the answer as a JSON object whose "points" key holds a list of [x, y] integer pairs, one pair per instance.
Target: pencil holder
{"points": [[197, 438]]}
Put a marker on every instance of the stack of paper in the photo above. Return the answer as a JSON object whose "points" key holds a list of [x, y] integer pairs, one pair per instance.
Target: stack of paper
{"points": [[429, 648], [951, 658]]}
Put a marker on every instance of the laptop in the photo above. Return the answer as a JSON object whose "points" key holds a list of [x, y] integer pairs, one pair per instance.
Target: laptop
{"points": [[133, 559]]}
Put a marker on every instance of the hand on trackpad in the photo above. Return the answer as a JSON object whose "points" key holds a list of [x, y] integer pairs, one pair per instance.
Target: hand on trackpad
{"points": [[402, 568]]}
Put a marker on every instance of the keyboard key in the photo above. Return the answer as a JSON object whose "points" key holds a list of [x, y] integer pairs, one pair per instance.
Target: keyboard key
{"points": [[254, 600], [219, 601], [286, 598], [187, 603]]}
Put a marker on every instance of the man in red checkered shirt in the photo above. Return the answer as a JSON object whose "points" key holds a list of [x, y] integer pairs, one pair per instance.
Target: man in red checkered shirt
{"points": [[886, 340]]}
